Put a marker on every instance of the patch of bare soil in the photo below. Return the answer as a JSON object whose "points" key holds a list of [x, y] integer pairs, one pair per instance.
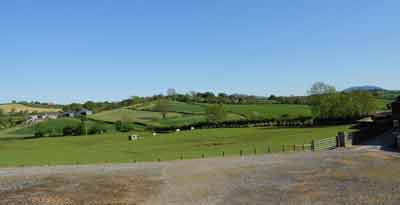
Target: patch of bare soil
{"points": [[83, 189], [335, 177]]}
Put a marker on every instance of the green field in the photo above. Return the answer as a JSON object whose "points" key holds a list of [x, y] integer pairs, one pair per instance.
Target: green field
{"points": [[187, 120], [382, 103], [131, 116], [116, 148], [270, 110], [183, 114], [179, 107], [19, 108], [56, 126]]}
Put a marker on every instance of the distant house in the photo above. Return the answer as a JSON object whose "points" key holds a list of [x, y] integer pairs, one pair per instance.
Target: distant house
{"points": [[69, 114], [79, 113], [33, 118], [42, 117], [84, 112], [52, 116]]}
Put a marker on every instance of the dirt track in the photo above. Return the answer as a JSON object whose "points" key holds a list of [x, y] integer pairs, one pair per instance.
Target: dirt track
{"points": [[337, 177]]}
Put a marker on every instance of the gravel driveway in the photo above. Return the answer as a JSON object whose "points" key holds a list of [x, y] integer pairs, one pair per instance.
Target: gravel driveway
{"points": [[355, 176]]}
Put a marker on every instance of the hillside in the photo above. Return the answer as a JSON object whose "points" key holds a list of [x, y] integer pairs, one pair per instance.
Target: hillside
{"points": [[368, 88], [18, 108], [186, 114], [179, 107]]}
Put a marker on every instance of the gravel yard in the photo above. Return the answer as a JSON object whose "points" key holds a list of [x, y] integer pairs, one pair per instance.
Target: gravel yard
{"points": [[355, 176]]}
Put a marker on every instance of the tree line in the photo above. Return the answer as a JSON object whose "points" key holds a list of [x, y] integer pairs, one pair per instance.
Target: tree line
{"points": [[328, 104]]}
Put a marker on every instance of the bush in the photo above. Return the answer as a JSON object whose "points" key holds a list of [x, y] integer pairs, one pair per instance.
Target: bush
{"points": [[68, 131], [122, 126], [97, 129]]}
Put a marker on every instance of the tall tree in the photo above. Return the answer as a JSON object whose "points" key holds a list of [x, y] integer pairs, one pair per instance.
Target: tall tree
{"points": [[321, 88], [216, 113], [162, 106]]}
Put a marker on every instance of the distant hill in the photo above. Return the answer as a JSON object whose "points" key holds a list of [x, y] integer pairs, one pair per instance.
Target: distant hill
{"points": [[368, 88]]}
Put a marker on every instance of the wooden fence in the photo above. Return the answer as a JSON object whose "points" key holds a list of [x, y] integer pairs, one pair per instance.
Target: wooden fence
{"points": [[325, 144], [315, 146]]}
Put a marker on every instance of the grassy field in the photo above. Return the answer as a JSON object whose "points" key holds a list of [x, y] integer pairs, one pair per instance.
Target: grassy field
{"points": [[131, 115], [382, 103], [116, 148], [179, 107], [270, 110], [55, 125], [183, 114], [191, 119], [19, 107]]}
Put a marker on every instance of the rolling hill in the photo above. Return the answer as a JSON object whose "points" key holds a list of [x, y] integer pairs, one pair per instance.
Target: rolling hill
{"points": [[19, 107], [368, 88]]}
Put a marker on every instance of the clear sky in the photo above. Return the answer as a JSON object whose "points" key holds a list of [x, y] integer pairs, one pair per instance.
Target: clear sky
{"points": [[77, 50]]}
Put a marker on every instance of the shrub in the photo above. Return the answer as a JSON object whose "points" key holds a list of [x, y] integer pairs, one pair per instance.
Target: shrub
{"points": [[97, 129], [123, 126], [69, 131]]}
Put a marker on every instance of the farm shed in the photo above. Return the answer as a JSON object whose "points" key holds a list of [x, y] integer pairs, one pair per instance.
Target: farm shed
{"points": [[396, 110], [84, 112]]}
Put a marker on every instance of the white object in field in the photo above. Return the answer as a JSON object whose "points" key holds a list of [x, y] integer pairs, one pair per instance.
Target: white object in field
{"points": [[178, 130], [154, 134], [192, 128], [134, 138]]}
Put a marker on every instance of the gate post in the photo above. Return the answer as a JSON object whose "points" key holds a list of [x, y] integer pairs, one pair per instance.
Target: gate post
{"points": [[313, 146], [341, 139]]}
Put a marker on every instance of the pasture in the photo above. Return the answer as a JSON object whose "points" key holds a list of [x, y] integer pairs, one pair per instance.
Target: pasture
{"points": [[270, 110], [179, 107], [55, 126], [115, 147], [382, 103], [130, 116], [18, 108]]}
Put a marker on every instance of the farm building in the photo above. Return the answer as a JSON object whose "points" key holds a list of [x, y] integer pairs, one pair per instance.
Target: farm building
{"points": [[79, 113], [69, 114], [396, 110], [84, 112], [42, 117]]}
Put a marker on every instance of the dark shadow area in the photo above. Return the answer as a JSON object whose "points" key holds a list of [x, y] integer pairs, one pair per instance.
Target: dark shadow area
{"points": [[380, 136]]}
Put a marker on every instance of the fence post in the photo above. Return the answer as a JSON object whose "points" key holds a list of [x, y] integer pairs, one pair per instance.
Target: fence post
{"points": [[313, 146], [241, 152], [294, 148], [337, 141], [283, 148], [223, 154], [269, 149], [255, 151], [304, 148], [342, 139], [203, 156]]}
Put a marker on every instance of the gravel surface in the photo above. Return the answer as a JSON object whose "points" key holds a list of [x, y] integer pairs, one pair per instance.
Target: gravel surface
{"points": [[352, 176]]}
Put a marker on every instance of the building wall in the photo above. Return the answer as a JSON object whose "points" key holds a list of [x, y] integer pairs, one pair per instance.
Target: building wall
{"points": [[396, 110]]}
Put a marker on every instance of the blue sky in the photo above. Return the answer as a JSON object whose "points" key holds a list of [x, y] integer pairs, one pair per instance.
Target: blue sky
{"points": [[64, 51]]}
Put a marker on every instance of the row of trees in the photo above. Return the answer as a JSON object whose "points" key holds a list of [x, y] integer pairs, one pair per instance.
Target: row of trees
{"points": [[42, 130], [328, 104], [296, 122]]}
